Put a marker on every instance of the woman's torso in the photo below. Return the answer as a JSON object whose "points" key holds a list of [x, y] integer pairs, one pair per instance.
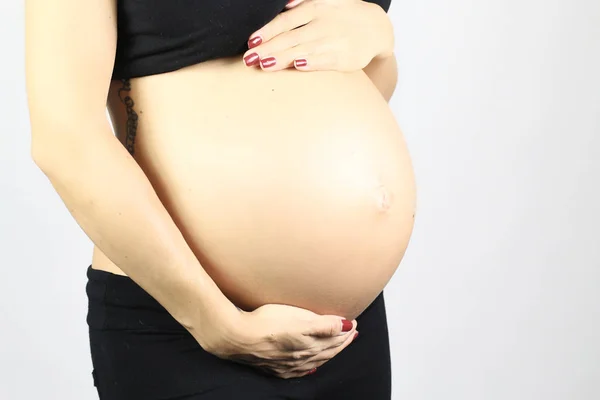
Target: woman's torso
{"points": [[290, 187]]}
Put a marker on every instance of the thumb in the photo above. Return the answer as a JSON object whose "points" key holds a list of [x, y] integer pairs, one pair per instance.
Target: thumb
{"points": [[293, 3], [330, 325]]}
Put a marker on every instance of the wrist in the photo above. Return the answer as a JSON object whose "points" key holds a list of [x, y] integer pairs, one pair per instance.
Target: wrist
{"points": [[218, 331], [208, 315], [382, 34]]}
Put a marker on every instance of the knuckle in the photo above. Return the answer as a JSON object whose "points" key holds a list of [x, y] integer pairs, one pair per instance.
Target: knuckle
{"points": [[333, 60], [264, 51], [286, 374], [317, 5], [281, 21], [295, 37], [332, 330]]}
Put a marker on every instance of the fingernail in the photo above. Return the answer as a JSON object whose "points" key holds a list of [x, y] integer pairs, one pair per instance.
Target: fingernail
{"points": [[268, 62], [346, 325], [255, 41], [251, 59], [300, 62], [355, 336], [312, 371]]}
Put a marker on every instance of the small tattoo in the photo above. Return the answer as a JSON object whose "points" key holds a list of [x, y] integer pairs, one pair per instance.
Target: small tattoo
{"points": [[132, 117]]}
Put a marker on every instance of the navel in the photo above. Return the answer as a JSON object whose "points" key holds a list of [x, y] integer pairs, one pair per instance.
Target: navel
{"points": [[383, 198]]}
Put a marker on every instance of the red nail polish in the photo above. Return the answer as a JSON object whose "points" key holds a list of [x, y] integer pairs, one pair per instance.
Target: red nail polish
{"points": [[346, 325], [268, 62], [355, 336], [255, 41], [312, 371], [300, 62], [251, 59]]}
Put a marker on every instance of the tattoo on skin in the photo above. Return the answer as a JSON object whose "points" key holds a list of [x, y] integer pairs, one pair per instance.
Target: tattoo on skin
{"points": [[132, 117]]}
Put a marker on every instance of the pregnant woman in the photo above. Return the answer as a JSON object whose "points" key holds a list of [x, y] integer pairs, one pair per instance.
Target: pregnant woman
{"points": [[250, 200]]}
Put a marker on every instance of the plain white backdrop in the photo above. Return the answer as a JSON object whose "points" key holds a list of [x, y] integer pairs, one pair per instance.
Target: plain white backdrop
{"points": [[498, 296]]}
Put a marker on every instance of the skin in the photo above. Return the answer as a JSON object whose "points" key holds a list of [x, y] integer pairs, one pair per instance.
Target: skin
{"points": [[68, 86]]}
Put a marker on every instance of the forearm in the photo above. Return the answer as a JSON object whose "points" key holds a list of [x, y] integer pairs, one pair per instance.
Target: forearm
{"points": [[383, 72], [114, 203], [383, 69]]}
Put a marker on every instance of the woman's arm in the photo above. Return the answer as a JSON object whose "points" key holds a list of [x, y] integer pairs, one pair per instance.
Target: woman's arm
{"points": [[383, 69], [70, 52], [383, 72]]}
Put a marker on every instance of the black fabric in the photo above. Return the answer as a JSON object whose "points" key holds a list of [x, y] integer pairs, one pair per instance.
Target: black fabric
{"points": [[157, 36], [139, 352]]}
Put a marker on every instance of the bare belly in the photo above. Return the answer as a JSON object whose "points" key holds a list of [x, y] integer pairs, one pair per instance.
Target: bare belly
{"points": [[292, 188]]}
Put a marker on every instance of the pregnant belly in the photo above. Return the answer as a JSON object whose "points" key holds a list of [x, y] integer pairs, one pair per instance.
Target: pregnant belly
{"points": [[291, 188]]}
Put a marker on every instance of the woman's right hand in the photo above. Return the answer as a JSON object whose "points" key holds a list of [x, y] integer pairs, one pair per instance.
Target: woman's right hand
{"points": [[286, 341]]}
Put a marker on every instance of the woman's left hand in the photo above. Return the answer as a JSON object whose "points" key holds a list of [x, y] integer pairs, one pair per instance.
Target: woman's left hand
{"points": [[318, 35]]}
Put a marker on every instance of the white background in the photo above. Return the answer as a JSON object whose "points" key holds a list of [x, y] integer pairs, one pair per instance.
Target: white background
{"points": [[497, 297]]}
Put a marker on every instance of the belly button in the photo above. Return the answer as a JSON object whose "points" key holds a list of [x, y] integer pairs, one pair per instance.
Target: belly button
{"points": [[383, 198]]}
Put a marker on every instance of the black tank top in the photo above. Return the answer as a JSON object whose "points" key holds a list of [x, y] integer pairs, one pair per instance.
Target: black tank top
{"points": [[157, 36]]}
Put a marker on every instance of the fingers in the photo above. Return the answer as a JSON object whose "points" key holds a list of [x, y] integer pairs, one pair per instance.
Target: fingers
{"points": [[280, 52], [289, 341], [309, 351], [321, 358], [329, 326], [293, 3], [315, 62], [304, 49], [286, 59], [312, 364], [301, 15], [304, 57]]}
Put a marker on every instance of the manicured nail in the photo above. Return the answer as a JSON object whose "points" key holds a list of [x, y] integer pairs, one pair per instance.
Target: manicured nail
{"points": [[268, 62], [346, 325], [355, 336], [251, 59], [255, 41], [300, 62], [312, 371]]}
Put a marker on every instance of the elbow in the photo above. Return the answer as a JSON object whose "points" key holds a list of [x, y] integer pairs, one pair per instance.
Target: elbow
{"points": [[383, 73], [388, 88], [40, 153], [59, 147], [51, 142], [43, 151], [42, 129], [60, 141]]}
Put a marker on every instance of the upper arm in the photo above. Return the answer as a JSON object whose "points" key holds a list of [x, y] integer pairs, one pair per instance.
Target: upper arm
{"points": [[70, 50]]}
